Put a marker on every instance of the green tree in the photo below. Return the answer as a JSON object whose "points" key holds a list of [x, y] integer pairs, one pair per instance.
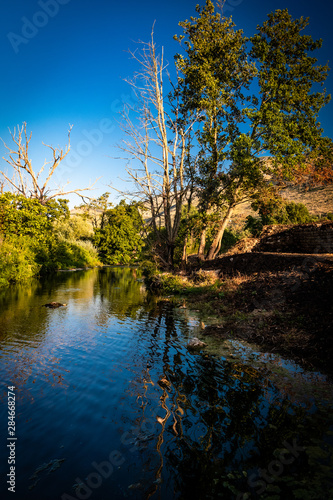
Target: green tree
{"points": [[280, 120], [119, 241], [40, 237], [284, 121], [95, 210], [273, 209], [27, 238], [17, 260], [21, 216], [215, 73]]}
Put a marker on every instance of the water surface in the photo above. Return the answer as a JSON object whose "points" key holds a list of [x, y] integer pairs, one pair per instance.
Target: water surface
{"points": [[111, 404]]}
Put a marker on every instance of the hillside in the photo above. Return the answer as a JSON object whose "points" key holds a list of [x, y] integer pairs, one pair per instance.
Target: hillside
{"points": [[318, 200]]}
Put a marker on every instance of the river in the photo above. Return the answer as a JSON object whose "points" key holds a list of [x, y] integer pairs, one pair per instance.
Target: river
{"points": [[109, 403]]}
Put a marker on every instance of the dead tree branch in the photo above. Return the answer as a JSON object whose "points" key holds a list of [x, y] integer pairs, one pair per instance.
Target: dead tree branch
{"points": [[25, 180], [156, 144]]}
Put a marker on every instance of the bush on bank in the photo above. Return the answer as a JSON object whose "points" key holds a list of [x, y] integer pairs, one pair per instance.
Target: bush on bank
{"points": [[66, 254], [17, 260], [33, 239], [277, 211]]}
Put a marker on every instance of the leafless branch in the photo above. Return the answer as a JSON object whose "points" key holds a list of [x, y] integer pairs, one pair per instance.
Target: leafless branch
{"points": [[25, 180]]}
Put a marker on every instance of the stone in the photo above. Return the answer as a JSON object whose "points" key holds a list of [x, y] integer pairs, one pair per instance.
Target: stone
{"points": [[195, 343], [54, 305]]}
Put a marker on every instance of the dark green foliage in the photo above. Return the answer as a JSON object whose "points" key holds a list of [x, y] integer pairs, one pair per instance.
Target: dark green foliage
{"points": [[29, 245], [117, 231], [153, 245], [254, 225], [216, 73], [190, 228], [298, 213], [230, 238], [238, 126], [22, 216], [277, 211], [17, 260], [65, 254], [149, 268], [285, 119], [119, 241]]}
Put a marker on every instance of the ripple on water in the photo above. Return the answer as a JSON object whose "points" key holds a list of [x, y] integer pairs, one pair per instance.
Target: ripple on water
{"points": [[111, 371]]}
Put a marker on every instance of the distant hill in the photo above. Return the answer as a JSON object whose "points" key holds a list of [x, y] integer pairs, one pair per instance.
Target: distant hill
{"points": [[318, 200]]}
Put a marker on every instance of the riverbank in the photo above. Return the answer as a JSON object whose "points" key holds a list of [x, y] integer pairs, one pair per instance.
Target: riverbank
{"points": [[281, 302], [114, 363]]}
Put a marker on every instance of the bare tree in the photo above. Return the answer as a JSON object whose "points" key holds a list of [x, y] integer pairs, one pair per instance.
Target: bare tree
{"points": [[25, 180], [157, 146]]}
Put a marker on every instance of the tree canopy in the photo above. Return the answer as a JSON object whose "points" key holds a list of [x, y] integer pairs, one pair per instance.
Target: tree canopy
{"points": [[119, 240], [239, 111], [23, 216], [259, 97]]}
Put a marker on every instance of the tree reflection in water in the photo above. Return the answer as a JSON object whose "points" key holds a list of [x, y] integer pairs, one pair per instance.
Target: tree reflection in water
{"points": [[218, 421], [113, 370]]}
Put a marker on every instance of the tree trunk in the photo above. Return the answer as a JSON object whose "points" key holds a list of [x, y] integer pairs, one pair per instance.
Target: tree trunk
{"points": [[170, 254], [184, 256], [201, 251], [216, 244]]}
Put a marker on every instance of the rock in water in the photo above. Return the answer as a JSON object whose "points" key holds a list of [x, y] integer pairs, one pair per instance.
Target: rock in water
{"points": [[54, 305], [195, 343]]}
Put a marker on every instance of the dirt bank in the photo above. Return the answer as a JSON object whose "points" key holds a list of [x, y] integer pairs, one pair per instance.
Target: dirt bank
{"points": [[283, 302]]}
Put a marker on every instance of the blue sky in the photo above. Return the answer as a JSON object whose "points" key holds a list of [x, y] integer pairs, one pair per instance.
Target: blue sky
{"points": [[64, 62]]}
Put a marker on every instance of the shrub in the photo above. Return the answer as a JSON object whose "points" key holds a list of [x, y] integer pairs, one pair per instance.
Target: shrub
{"points": [[149, 268], [254, 225], [203, 277], [74, 228], [171, 283], [17, 260], [230, 238], [28, 217], [66, 254], [90, 253], [276, 210], [298, 213], [41, 238], [164, 283], [119, 241]]}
